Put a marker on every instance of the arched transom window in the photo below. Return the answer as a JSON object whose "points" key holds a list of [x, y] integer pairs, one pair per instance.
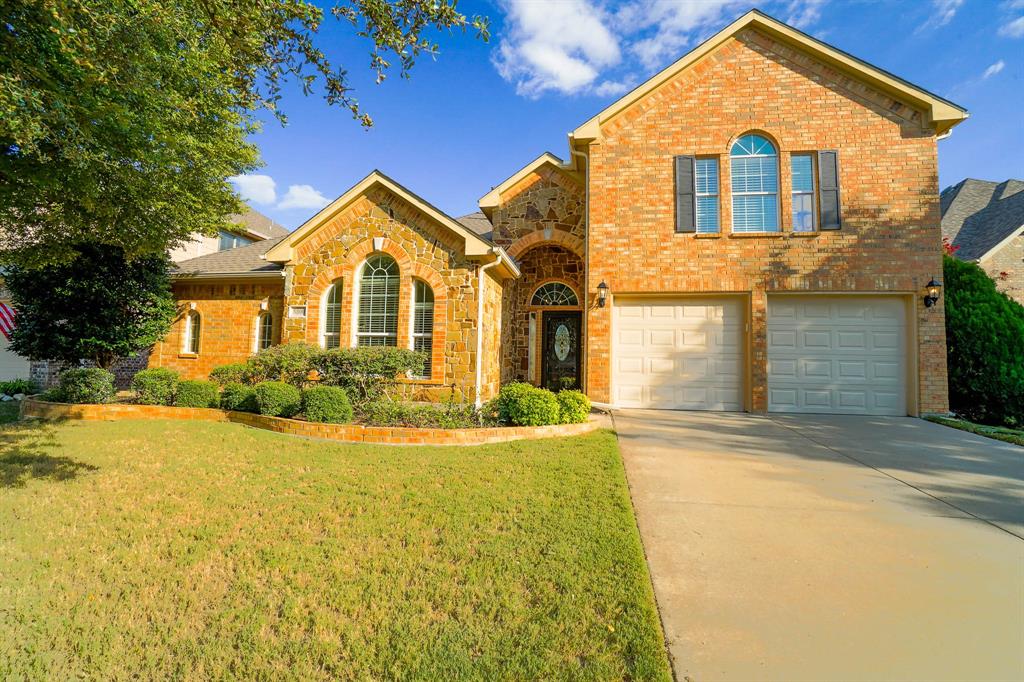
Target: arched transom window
{"points": [[377, 319], [556, 294], [423, 324], [754, 167], [332, 317]]}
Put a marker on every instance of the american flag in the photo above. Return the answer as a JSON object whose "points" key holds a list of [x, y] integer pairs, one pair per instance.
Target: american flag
{"points": [[6, 320]]}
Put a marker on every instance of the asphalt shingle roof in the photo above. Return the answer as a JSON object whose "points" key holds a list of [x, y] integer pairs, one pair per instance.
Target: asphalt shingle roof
{"points": [[241, 259], [257, 223], [978, 214], [478, 223]]}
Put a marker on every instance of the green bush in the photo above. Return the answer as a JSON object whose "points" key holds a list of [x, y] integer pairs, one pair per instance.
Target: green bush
{"points": [[421, 415], [984, 345], [278, 399], [239, 397], [574, 407], [367, 372], [237, 373], [193, 393], [327, 404], [86, 385], [16, 386], [525, 405], [290, 363], [155, 386]]}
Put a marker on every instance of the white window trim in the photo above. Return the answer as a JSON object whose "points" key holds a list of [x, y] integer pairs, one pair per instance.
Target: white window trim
{"points": [[733, 193], [413, 334], [186, 339], [322, 327], [356, 302], [259, 326], [813, 193], [717, 194]]}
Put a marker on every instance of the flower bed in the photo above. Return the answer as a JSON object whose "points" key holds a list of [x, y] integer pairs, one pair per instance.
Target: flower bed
{"points": [[349, 433]]}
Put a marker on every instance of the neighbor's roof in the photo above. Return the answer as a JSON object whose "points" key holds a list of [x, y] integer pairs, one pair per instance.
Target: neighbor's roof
{"points": [[241, 261], [259, 225], [943, 113], [479, 223], [979, 215]]}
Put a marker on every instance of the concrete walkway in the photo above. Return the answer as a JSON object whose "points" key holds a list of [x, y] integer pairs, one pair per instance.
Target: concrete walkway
{"points": [[830, 548]]}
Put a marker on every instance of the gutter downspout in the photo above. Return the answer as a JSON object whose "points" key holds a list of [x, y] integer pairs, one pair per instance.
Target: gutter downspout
{"points": [[478, 402], [586, 258]]}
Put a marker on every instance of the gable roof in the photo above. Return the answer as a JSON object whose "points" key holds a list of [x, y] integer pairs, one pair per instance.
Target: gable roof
{"points": [[258, 225], [492, 199], [979, 215], [475, 244], [241, 261], [479, 223], [943, 114]]}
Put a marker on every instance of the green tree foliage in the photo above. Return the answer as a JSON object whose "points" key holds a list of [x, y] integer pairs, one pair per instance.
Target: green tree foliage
{"points": [[121, 120], [98, 306], [985, 346]]}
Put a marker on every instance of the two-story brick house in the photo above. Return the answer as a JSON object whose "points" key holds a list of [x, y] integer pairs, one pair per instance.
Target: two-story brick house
{"points": [[751, 229]]}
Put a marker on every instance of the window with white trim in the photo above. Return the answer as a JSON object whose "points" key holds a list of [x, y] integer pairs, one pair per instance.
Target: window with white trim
{"points": [[423, 324], [804, 210], [754, 170], [377, 318], [190, 338], [554, 294], [332, 317], [264, 331], [706, 190]]}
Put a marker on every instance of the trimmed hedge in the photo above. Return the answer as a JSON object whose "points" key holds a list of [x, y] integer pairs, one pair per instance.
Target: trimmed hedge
{"points": [[239, 397], [278, 399], [326, 404], [366, 372], [422, 415], [86, 385], [194, 393], [155, 386], [521, 404], [574, 407], [290, 363], [237, 373]]}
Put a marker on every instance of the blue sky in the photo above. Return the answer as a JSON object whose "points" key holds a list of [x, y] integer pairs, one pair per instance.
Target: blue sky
{"points": [[480, 111]]}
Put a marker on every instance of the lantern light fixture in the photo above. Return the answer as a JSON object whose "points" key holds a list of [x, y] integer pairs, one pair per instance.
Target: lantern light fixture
{"points": [[932, 296], [602, 294]]}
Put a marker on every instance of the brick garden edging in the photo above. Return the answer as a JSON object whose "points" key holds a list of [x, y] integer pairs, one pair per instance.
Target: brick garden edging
{"points": [[348, 433]]}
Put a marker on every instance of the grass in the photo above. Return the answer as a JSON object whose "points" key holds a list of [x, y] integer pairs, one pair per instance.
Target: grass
{"points": [[1002, 433], [156, 549]]}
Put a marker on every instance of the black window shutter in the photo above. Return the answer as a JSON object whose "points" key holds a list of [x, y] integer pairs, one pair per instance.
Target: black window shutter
{"points": [[828, 189], [686, 209]]}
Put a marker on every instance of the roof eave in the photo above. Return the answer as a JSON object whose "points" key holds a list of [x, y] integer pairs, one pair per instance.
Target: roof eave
{"points": [[262, 274]]}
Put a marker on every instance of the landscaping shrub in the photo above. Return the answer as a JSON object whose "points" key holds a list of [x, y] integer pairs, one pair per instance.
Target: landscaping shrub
{"points": [[367, 372], [574, 407], [239, 397], [419, 415], [278, 399], [16, 386], [290, 363], [327, 404], [86, 385], [193, 393], [985, 347], [525, 405], [236, 373], [155, 386]]}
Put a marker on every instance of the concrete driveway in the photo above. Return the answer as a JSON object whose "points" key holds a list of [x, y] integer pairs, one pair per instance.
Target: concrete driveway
{"points": [[830, 548]]}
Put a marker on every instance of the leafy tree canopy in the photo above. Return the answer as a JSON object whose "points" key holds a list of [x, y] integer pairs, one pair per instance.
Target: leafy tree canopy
{"points": [[99, 306], [120, 120]]}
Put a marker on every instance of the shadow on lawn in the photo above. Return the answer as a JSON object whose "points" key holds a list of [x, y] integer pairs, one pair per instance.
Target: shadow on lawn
{"points": [[24, 456]]}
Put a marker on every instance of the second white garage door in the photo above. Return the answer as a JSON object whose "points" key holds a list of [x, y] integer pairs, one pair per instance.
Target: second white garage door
{"points": [[684, 354], [837, 354]]}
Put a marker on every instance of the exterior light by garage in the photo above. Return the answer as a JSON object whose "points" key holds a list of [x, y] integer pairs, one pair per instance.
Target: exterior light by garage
{"points": [[932, 297], [602, 294]]}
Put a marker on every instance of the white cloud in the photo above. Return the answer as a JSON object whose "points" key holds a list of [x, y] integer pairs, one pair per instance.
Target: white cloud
{"points": [[555, 46], [303, 196], [943, 12], [611, 88], [804, 13], [258, 189], [1013, 28], [666, 25], [993, 70]]}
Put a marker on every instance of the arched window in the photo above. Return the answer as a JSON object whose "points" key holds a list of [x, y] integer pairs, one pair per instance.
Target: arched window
{"points": [[332, 317], [423, 324], [264, 331], [377, 320], [554, 293], [190, 339], [754, 166]]}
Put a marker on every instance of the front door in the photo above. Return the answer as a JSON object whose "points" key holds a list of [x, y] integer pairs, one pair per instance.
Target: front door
{"points": [[561, 358]]}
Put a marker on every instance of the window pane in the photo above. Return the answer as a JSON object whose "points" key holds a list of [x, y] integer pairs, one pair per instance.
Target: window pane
{"points": [[803, 212], [423, 324], [266, 331], [554, 294], [707, 176], [755, 174], [707, 214], [755, 213], [227, 241], [378, 297], [803, 173], [332, 317]]}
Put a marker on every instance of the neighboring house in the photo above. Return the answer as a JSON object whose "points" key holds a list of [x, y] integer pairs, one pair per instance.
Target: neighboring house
{"points": [[751, 229], [251, 226], [985, 221]]}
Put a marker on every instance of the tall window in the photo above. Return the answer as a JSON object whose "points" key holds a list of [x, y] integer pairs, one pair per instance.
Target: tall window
{"points": [[332, 316], [706, 186], [803, 193], [423, 324], [190, 340], [264, 331], [754, 167], [377, 321]]}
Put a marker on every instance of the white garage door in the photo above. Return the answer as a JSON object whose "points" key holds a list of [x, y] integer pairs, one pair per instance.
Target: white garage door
{"points": [[684, 354], [837, 354]]}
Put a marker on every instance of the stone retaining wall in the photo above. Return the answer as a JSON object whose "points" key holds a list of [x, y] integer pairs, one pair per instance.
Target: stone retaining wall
{"points": [[348, 433]]}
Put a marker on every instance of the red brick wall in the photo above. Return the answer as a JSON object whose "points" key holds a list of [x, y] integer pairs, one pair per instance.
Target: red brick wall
{"points": [[890, 240]]}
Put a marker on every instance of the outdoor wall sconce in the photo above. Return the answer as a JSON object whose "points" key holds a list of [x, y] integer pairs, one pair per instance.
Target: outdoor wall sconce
{"points": [[602, 294], [932, 297]]}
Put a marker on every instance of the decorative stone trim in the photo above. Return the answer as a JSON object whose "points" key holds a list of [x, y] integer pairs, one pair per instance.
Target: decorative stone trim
{"points": [[346, 433]]}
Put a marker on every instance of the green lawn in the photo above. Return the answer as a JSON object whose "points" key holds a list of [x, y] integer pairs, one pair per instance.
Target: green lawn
{"points": [[998, 432], [166, 549]]}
